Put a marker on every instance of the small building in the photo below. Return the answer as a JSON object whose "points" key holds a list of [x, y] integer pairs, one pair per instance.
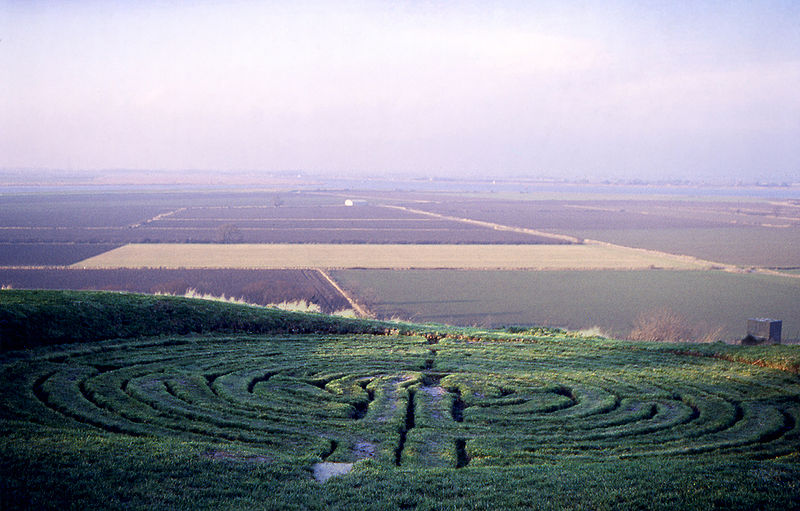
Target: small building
{"points": [[763, 330], [355, 202]]}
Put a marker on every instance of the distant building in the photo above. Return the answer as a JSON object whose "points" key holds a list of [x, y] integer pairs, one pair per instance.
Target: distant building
{"points": [[355, 202], [763, 330]]}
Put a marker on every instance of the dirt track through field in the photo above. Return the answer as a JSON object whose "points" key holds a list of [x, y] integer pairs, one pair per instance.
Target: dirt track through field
{"points": [[491, 225], [156, 218], [361, 311]]}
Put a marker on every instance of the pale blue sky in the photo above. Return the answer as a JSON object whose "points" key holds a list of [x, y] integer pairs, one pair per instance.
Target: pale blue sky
{"points": [[623, 89]]}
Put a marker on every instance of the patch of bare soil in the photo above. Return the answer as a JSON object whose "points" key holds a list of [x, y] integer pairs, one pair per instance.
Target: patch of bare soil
{"points": [[436, 393], [390, 391]]}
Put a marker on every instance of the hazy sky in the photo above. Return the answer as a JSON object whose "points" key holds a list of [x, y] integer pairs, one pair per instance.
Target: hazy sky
{"points": [[488, 88]]}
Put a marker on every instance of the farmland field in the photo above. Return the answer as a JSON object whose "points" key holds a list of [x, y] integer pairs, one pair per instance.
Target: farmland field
{"points": [[750, 232], [383, 256], [430, 419], [745, 246], [227, 216], [261, 287], [47, 254], [267, 229], [611, 300], [746, 232], [632, 213]]}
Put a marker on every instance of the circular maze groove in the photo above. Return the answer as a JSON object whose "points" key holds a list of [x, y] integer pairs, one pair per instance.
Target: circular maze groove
{"points": [[396, 400]]}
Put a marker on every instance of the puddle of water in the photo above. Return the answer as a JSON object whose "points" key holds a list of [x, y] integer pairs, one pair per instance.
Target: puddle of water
{"points": [[327, 469], [364, 450]]}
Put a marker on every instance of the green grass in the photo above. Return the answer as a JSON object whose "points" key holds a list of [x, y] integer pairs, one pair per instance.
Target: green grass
{"points": [[454, 418], [611, 300], [34, 318]]}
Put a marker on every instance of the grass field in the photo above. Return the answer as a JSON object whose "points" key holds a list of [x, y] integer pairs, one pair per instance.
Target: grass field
{"points": [[382, 256], [432, 418], [611, 300]]}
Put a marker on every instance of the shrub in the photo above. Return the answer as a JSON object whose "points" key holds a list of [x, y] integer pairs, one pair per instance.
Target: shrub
{"points": [[668, 326]]}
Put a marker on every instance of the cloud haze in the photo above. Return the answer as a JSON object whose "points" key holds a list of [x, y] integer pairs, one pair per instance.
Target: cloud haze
{"points": [[595, 89]]}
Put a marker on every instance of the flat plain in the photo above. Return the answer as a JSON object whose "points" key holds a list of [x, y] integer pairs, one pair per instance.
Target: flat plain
{"points": [[443, 230], [749, 232], [226, 216]]}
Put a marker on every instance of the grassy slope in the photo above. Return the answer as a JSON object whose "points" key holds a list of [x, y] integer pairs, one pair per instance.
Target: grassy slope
{"points": [[36, 318], [49, 464]]}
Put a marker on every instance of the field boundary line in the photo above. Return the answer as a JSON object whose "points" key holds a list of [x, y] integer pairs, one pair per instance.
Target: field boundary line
{"points": [[37, 267], [572, 239], [491, 225], [677, 257], [768, 271], [156, 218], [361, 311], [713, 265]]}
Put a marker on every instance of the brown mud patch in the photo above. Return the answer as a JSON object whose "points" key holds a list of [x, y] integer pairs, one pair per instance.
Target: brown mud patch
{"points": [[436, 393]]}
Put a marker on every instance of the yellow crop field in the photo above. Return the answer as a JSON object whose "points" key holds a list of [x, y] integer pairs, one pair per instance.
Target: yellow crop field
{"points": [[340, 256]]}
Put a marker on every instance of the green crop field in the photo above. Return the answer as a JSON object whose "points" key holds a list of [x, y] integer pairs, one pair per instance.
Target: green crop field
{"points": [[241, 411], [611, 300]]}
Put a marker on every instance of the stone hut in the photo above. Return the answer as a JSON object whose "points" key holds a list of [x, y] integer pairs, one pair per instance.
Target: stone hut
{"points": [[763, 331]]}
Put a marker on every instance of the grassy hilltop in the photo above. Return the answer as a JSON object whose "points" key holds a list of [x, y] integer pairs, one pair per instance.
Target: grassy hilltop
{"points": [[114, 400]]}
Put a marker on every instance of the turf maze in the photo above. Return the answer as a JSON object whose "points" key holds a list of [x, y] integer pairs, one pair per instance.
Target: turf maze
{"points": [[409, 401]]}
